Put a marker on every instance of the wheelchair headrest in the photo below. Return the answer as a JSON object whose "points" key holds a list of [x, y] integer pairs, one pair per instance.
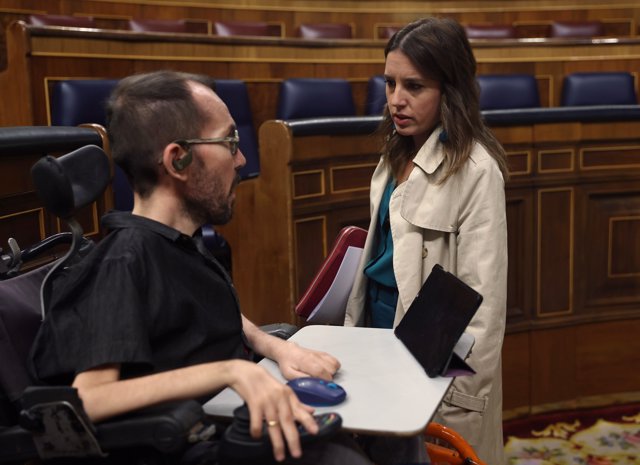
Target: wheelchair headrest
{"points": [[69, 182]]}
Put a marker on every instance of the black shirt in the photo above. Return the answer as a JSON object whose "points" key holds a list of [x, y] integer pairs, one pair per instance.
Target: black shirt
{"points": [[147, 297]]}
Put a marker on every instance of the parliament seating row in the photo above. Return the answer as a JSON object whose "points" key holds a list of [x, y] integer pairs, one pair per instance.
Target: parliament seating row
{"points": [[219, 28], [556, 29], [504, 91], [74, 102], [81, 101]]}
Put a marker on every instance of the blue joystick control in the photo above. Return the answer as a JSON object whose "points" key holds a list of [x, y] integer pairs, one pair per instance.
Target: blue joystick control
{"points": [[317, 392]]}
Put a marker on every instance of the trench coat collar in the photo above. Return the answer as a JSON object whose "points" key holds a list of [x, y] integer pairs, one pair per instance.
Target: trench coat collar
{"points": [[426, 203]]}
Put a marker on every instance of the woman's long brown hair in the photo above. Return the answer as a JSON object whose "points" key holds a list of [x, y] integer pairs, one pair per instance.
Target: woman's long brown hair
{"points": [[440, 50]]}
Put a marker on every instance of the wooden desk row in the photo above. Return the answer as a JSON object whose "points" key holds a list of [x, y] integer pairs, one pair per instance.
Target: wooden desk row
{"points": [[369, 18], [39, 55]]}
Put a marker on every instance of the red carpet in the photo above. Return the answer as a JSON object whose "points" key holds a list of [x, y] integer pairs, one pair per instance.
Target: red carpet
{"points": [[602, 436]]}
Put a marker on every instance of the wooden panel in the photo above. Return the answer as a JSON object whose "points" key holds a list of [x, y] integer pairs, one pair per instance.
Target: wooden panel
{"points": [[519, 162], [556, 161], [311, 248], [606, 357], [553, 366], [610, 157], [26, 226], [555, 251], [519, 277], [351, 178], [516, 372], [308, 184], [613, 265]]}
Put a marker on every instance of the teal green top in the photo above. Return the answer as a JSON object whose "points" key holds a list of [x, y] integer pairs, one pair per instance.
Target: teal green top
{"points": [[382, 296]]}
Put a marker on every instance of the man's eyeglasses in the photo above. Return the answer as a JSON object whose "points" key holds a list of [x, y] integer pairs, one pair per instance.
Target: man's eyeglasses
{"points": [[233, 141]]}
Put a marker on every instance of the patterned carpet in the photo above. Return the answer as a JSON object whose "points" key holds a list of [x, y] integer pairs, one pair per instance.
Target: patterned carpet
{"points": [[606, 436]]}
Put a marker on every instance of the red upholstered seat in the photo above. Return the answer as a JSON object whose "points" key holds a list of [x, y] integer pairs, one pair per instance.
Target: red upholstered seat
{"points": [[158, 25], [62, 20], [571, 29], [490, 31], [325, 31], [385, 32], [246, 28]]}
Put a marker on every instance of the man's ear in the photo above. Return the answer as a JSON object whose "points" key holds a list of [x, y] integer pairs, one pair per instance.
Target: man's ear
{"points": [[175, 159]]}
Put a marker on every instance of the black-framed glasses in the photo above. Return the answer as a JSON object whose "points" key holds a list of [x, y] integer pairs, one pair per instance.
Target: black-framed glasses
{"points": [[233, 141]]}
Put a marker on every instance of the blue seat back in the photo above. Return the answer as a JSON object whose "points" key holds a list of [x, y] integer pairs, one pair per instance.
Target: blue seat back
{"points": [[234, 93], [376, 95], [80, 101], [503, 91], [315, 97], [606, 88]]}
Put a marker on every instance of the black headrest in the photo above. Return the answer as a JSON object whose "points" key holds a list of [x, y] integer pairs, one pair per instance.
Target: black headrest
{"points": [[30, 140], [71, 181]]}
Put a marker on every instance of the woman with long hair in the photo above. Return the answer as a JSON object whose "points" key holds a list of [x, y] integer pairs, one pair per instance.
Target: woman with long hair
{"points": [[437, 197]]}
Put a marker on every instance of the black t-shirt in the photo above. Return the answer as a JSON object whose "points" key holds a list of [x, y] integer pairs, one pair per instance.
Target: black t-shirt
{"points": [[147, 297]]}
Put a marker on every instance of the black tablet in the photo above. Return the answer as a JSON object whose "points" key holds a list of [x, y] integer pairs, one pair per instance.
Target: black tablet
{"points": [[436, 319]]}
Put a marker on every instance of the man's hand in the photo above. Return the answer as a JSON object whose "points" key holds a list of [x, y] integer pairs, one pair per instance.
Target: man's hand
{"points": [[271, 401], [295, 361]]}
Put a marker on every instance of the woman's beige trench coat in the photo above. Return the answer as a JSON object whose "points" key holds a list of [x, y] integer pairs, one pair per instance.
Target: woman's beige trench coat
{"points": [[460, 224]]}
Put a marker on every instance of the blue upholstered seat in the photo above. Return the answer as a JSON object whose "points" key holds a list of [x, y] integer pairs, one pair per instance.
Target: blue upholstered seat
{"points": [[376, 95], [501, 91], [234, 93], [80, 101], [607, 88], [314, 97]]}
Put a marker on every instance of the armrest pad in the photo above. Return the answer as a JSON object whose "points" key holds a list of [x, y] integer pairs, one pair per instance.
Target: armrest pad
{"points": [[165, 427]]}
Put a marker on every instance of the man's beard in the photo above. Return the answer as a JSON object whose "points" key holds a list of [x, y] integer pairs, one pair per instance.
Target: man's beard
{"points": [[206, 203]]}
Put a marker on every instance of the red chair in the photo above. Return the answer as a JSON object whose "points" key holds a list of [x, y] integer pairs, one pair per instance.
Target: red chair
{"points": [[246, 28], [455, 451], [62, 20], [179, 26], [490, 31], [325, 31], [350, 236], [385, 32], [576, 29]]}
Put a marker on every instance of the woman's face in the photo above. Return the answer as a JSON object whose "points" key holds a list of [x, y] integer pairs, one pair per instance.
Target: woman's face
{"points": [[413, 100]]}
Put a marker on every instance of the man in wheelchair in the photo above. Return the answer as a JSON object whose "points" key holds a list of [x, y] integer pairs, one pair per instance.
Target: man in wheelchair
{"points": [[149, 316]]}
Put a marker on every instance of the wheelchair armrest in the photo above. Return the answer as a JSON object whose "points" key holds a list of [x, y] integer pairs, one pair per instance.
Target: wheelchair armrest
{"points": [[168, 427], [54, 424], [281, 330]]}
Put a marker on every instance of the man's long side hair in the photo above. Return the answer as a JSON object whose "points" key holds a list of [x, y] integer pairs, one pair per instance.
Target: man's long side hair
{"points": [[440, 50], [145, 113]]}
